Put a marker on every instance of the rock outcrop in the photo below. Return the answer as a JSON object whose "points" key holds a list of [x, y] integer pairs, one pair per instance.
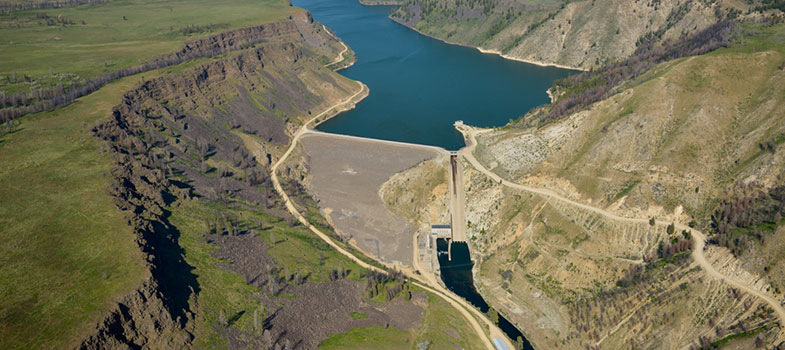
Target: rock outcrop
{"points": [[188, 123]]}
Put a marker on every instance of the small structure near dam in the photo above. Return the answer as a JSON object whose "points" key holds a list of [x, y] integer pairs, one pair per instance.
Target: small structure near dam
{"points": [[441, 231]]}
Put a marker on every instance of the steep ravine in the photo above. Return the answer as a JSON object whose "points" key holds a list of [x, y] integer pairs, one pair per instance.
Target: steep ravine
{"points": [[181, 125]]}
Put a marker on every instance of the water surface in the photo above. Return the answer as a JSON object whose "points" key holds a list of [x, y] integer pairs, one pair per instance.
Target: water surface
{"points": [[457, 276], [419, 85]]}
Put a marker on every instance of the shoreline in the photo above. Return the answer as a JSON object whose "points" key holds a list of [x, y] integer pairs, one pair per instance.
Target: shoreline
{"points": [[340, 58], [471, 314], [354, 100], [490, 51], [380, 2], [314, 132], [537, 63]]}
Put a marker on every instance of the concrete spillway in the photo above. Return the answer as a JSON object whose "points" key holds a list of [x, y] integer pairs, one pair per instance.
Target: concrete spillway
{"points": [[457, 200]]}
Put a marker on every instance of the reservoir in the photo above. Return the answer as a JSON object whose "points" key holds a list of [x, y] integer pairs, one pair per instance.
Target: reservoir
{"points": [[418, 85]]}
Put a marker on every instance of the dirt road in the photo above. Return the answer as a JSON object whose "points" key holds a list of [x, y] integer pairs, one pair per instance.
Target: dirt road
{"points": [[340, 55], [345, 175], [700, 239], [468, 311]]}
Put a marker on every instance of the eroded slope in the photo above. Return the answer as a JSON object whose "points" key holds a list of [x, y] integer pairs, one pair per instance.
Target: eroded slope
{"points": [[580, 34]]}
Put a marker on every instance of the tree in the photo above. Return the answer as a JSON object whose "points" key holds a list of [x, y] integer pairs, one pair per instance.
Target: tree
{"points": [[493, 315], [222, 318], [652, 221], [671, 228], [203, 148], [759, 342]]}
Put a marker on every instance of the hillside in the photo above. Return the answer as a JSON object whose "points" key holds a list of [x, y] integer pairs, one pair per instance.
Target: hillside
{"points": [[55, 54], [579, 34], [672, 145], [692, 140], [135, 216], [679, 136]]}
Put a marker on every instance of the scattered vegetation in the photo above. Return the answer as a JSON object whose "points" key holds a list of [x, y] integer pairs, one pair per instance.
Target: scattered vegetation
{"points": [[6, 7], [752, 214], [198, 29], [102, 43], [581, 90], [45, 99], [386, 285], [765, 5]]}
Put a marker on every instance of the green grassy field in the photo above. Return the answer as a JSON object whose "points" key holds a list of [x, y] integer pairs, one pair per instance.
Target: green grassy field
{"points": [[118, 34], [373, 337], [221, 291], [293, 248], [442, 327], [66, 253]]}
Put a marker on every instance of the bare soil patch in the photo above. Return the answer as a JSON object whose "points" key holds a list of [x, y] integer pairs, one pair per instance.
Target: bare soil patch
{"points": [[246, 254], [345, 176], [321, 309]]}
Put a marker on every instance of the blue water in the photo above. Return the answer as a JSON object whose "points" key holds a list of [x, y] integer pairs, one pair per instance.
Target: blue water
{"points": [[420, 86]]}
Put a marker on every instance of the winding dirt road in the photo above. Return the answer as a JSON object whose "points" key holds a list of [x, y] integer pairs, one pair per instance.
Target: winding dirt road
{"points": [[340, 55], [470, 134], [468, 311]]}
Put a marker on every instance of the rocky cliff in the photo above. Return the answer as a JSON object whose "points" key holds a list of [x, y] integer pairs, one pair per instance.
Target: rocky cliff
{"points": [[185, 125]]}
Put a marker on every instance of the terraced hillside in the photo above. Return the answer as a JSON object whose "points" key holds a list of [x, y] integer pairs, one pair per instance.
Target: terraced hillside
{"points": [[672, 145], [692, 141]]}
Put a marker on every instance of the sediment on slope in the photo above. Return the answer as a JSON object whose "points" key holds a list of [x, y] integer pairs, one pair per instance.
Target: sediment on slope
{"points": [[579, 34], [156, 315], [666, 146], [673, 143]]}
